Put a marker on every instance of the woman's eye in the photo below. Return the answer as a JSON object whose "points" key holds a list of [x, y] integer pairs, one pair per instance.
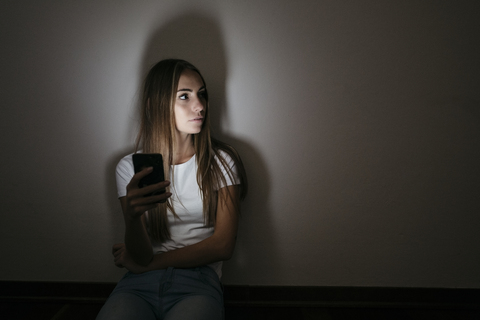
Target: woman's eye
{"points": [[184, 96], [203, 95]]}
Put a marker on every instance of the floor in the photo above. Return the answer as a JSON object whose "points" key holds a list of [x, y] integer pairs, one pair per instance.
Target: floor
{"points": [[85, 311]]}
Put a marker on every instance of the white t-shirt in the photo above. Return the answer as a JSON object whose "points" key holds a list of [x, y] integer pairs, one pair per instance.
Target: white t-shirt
{"points": [[189, 227]]}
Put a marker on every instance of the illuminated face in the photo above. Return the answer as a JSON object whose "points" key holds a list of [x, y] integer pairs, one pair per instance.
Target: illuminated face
{"points": [[190, 103]]}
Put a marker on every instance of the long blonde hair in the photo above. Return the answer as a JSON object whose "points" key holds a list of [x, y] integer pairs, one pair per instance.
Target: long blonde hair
{"points": [[157, 135]]}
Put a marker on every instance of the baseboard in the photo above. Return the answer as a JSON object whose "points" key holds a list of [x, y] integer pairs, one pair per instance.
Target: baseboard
{"points": [[261, 296], [346, 297]]}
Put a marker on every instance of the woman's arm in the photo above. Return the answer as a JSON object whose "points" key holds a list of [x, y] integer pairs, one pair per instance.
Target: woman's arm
{"points": [[218, 247], [134, 205]]}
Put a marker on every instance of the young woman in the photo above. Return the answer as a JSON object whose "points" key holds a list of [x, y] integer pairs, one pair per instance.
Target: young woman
{"points": [[175, 242]]}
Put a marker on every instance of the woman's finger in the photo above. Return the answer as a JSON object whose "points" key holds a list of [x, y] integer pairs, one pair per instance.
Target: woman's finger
{"points": [[118, 260], [139, 175], [118, 253], [142, 204], [118, 263], [162, 197], [117, 246], [154, 188]]}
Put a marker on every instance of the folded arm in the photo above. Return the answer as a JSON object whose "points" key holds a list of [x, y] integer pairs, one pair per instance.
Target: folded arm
{"points": [[218, 247]]}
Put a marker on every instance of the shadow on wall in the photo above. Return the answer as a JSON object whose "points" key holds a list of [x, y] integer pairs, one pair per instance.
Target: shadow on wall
{"points": [[198, 40]]}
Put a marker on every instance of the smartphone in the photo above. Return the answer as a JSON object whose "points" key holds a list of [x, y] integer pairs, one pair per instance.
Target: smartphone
{"points": [[145, 160]]}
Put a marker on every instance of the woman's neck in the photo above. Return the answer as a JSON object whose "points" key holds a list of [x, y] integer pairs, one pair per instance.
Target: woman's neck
{"points": [[184, 149]]}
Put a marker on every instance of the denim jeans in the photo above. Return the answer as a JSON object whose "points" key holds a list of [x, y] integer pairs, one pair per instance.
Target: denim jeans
{"points": [[166, 294]]}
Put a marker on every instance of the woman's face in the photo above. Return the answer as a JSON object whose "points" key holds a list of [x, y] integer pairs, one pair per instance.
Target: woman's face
{"points": [[190, 103]]}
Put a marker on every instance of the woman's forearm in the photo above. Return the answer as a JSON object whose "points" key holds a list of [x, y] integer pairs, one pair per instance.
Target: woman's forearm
{"points": [[137, 242], [134, 205], [202, 253]]}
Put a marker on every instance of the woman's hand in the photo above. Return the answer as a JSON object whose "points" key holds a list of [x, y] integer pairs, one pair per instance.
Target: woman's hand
{"points": [[137, 202], [122, 259]]}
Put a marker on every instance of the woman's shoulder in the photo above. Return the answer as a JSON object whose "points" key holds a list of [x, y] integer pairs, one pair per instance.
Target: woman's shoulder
{"points": [[127, 159], [124, 173], [225, 151], [231, 165], [125, 164], [224, 155], [227, 158]]}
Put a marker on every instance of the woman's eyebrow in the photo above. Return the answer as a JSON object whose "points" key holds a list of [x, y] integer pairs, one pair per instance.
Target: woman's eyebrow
{"points": [[190, 90]]}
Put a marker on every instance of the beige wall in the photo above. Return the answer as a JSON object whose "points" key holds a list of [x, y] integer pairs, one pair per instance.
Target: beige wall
{"points": [[358, 122]]}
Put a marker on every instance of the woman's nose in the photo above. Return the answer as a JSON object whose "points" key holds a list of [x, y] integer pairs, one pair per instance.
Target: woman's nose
{"points": [[198, 105]]}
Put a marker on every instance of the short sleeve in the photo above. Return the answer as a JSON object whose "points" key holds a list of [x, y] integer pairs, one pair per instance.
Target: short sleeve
{"points": [[232, 178], [124, 173]]}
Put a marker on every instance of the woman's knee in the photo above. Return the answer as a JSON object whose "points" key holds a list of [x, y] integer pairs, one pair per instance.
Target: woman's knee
{"points": [[126, 306], [197, 307]]}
